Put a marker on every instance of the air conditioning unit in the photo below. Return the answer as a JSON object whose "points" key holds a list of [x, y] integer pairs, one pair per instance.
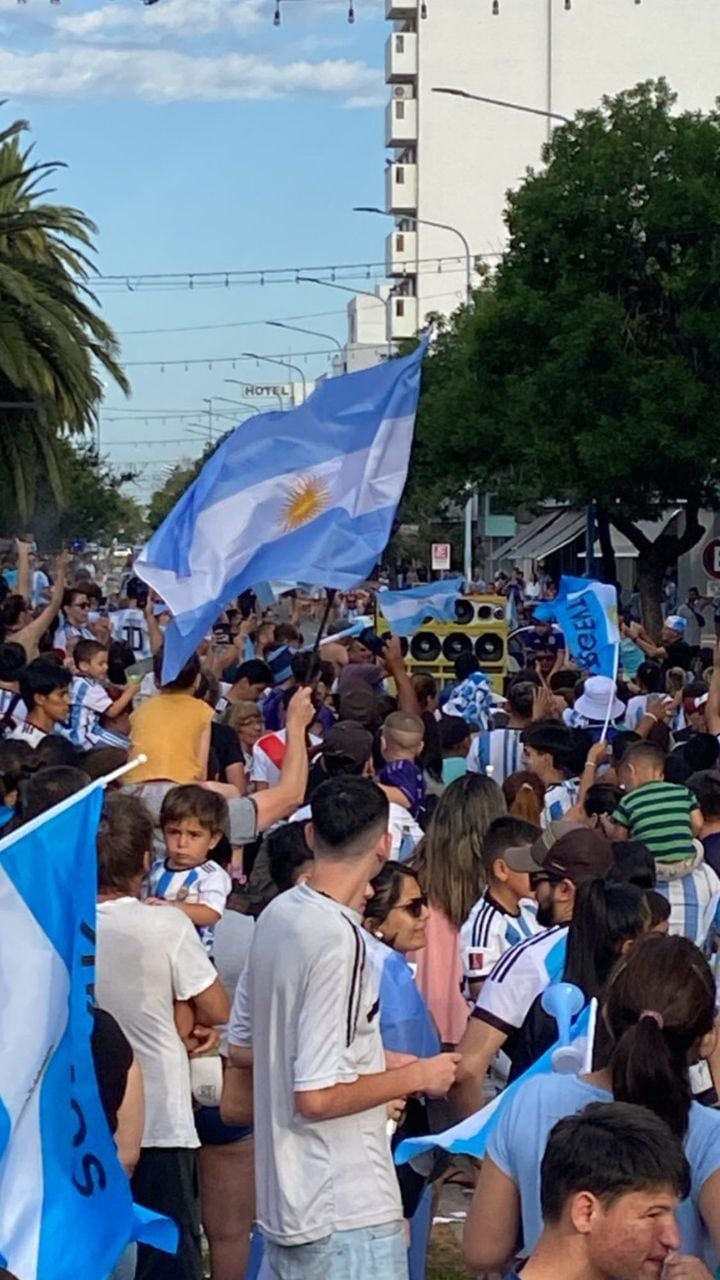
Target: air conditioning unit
{"points": [[405, 91]]}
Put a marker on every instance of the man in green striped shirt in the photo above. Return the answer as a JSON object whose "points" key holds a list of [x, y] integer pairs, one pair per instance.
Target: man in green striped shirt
{"points": [[662, 815]]}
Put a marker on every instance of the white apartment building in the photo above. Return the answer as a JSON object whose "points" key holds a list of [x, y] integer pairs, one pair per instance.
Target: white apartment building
{"points": [[453, 160]]}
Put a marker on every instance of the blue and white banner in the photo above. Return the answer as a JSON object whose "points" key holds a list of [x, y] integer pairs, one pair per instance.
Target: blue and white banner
{"points": [[469, 1138], [405, 611], [586, 612], [308, 495], [65, 1207]]}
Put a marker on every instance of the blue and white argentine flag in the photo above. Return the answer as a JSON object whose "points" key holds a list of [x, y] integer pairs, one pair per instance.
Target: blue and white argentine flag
{"points": [[405, 611], [65, 1206], [586, 612], [306, 496], [470, 1136]]}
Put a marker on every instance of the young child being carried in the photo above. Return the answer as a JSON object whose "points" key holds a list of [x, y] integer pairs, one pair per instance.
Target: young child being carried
{"points": [[193, 820], [661, 815], [90, 702], [401, 743]]}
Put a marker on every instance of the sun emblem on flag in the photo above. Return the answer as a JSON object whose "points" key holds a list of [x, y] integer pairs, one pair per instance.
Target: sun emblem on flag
{"points": [[307, 498]]}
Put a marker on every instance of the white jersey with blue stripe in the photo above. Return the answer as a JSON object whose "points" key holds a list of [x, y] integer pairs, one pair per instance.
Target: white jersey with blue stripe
{"points": [[12, 706], [88, 701], [490, 930], [131, 626], [207, 885], [498, 750], [694, 904], [560, 797], [519, 977]]}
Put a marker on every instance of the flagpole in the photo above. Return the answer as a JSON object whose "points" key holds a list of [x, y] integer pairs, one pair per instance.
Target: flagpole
{"points": [[124, 768], [330, 592], [613, 690]]}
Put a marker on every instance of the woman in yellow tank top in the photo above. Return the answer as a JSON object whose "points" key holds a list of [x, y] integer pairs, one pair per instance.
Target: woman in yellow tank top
{"points": [[172, 729]]}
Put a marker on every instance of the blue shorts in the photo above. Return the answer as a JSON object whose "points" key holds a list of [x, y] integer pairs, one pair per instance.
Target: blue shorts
{"points": [[212, 1132]]}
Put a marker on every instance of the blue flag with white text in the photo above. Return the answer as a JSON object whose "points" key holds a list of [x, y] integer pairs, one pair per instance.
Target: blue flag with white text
{"points": [[586, 612], [65, 1207], [405, 611], [307, 495]]}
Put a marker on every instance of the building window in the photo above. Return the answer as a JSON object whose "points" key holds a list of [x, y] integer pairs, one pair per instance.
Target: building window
{"points": [[400, 109], [400, 176], [399, 308], [399, 44], [400, 244]]}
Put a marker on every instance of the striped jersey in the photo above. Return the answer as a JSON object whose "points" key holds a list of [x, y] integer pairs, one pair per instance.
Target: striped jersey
{"points": [[130, 625], [519, 977], [88, 702], [560, 797], [12, 709], [26, 732], [659, 815], [694, 905], [498, 750], [207, 885], [489, 931]]}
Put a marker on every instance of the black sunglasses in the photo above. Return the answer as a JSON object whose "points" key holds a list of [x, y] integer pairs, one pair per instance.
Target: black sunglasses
{"points": [[415, 906]]}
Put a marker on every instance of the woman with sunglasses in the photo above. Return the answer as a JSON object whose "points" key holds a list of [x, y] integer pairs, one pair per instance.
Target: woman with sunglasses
{"points": [[658, 1018], [396, 919]]}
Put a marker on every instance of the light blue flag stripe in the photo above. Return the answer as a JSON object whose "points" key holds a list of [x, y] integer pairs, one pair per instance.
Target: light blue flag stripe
{"points": [[586, 612], [431, 600], [471, 1135], [65, 1207]]}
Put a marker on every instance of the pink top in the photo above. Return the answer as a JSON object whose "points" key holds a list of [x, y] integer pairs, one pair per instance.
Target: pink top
{"points": [[439, 976]]}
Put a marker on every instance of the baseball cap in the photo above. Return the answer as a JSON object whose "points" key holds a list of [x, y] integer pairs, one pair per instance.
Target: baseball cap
{"points": [[348, 739], [564, 851], [676, 623]]}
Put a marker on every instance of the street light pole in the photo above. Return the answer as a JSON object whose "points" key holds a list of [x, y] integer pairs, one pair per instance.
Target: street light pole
{"points": [[364, 293], [238, 383], [285, 365], [428, 222], [312, 333], [500, 102], [246, 404]]}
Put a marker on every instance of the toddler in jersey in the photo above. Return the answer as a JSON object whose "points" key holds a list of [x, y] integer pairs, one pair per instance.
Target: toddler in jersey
{"points": [[193, 821], [401, 742], [90, 703], [661, 815], [505, 914]]}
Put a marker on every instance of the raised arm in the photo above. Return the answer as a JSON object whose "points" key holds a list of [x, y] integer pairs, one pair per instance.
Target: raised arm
{"points": [[154, 633], [395, 664], [712, 711], [23, 559], [30, 635], [279, 802]]}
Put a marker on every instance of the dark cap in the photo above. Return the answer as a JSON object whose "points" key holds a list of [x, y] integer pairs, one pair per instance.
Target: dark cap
{"points": [[564, 851], [348, 738]]}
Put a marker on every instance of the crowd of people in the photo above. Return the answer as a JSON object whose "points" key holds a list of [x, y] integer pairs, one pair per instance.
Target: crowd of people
{"points": [[331, 896]]}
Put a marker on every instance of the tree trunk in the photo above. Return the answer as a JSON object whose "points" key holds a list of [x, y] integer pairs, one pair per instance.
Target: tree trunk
{"points": [[651, 571], [609, 568], [655, 557]]}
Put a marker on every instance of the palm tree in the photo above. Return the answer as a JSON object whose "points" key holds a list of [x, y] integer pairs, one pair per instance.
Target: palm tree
{"points": [[53, 345]]}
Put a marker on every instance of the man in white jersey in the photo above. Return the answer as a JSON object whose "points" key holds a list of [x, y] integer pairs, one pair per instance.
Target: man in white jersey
{"points": [[306, 1016], [131, 624], [500, 751], [563, 858]]}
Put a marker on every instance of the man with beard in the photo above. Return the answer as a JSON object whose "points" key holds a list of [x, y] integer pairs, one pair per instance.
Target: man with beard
{"points": [[564, 857]]}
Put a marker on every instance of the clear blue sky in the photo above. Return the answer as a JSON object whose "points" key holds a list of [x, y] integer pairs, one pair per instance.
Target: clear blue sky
{"points": [[200, 137]]}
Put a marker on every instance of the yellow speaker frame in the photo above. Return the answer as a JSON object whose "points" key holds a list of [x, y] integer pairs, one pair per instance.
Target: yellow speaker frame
{"points": [[481, 628]]}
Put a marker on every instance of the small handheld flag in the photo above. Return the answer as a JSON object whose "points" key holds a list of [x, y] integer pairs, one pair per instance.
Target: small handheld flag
{"points": [[586, 612], [405, 611]]}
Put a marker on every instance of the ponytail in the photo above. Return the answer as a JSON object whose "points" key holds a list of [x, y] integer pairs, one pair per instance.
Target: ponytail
{"points": [[605, 916], [646, 1070]]}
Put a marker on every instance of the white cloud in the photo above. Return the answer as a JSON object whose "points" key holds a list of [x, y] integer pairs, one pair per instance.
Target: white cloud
{"points": [[168, 18], [165, 75]]}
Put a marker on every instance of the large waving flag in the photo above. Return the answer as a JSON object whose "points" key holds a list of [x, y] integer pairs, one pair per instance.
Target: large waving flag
{"points": [[405, 611], [470, 1137], [586, 612], [308, 495], [65, 1207]]}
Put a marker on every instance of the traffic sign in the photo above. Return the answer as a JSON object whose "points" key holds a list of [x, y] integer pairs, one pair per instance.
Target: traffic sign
{"points": [[711, 558], [441, 555]]}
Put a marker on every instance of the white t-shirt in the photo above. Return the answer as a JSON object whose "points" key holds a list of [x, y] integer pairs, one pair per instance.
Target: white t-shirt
{"points": [[25, 732], [268, 755], [148, 957], [308, 1005], [131, 626], [10, 699], [66, 633]]}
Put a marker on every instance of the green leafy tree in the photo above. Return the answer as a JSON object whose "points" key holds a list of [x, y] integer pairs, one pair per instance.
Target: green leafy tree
{"points": [[589, 367], [53, 345], [179, 479], [93, 506]]}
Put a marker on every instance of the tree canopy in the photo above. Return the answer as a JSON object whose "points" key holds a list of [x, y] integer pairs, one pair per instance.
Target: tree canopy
{"points": [[588, 367], [93, 505]]}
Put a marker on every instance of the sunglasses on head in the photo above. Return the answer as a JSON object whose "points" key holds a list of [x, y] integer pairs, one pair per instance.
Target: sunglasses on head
{"points": [[416, 906]]}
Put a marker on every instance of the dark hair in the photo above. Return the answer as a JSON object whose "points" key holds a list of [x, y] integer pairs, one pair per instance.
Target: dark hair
{"points": [[125, 837], [524, 795], [466, 665], [192, 801], [565, 679], [659, 907], [701, 752], [520, 696], [609, 1149], [12, 660], [602, 798], [604, 917], [55, 750], [13, 606], [42, 677], [621, 742], [287, 850], [551, 738], [47, 788], [120, 657], [69, 594], [99, 761], [633, 863], [286, 633], [346, 814], [15, 764], [645, 753], [453, 732], [305, 667], [425, 688], [387, 890], [670, 978], [186, 676], [676, 768], [207, 688], [503, 834], [85, 651], [255, 671], [449, 858], [650, 675], [708, 795]]}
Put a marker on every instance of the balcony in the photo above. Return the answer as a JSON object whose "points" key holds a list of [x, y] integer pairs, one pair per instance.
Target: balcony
{"points": [[399, 10], [401, 122], [401, 253], [401, 188], [401, 57], [404, 322]]}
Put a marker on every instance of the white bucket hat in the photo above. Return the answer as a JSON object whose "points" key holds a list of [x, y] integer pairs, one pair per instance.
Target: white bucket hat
{"points": [[593, 701]]}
